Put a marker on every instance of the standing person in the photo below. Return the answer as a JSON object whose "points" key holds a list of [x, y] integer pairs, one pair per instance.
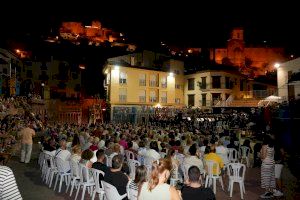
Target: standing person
{"points": [[26, 134], [279, 161], [267, 167], [8, 186]]}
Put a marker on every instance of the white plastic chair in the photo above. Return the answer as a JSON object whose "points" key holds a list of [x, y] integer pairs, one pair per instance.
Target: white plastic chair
{"points": [[162, 154], [133, 164], [174, 175], [52, 170], [111, 192], [131, 193], [74, 175], [61, 174], [98, 188], [212, 166], [86, 181], [129, 155], [148, 161], [245, 154], [108, 160], [232, 155], [236, 173]]}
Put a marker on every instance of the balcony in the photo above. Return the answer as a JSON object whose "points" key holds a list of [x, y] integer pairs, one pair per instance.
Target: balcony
{"points": [[142, 82], [153, 84], [153, 99]]}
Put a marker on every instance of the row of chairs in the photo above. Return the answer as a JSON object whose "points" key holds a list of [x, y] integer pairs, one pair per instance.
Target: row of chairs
{"points": [[78, 177]]}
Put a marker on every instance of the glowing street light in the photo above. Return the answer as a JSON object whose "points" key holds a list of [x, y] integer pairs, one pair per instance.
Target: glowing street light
{"points": [[277, 65]]}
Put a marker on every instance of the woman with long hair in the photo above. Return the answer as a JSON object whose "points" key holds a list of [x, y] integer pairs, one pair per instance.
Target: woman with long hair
{"points": [[156, 187], [140, 178]]}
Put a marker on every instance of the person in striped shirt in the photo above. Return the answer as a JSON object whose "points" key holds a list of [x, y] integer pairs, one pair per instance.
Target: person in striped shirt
{"points": [[8, 186]]}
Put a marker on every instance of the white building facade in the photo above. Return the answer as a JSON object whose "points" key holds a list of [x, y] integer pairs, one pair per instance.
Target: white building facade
{"points": [[288, 80]]}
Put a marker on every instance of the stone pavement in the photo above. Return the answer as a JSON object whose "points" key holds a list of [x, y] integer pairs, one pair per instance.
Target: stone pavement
{"points": [[28, 178]]}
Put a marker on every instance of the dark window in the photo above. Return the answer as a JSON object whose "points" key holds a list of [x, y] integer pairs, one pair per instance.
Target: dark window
{"points": [[241, 85], [191, 100], [43, 66], [216, 81], [203, 83], [203, 99], [29, 74], [191, 84], [44, 76], [4, 70], [227, 83]]}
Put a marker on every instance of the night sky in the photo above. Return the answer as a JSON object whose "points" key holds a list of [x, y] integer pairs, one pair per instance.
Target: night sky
{"points": [[197, 24], [146, 23]]}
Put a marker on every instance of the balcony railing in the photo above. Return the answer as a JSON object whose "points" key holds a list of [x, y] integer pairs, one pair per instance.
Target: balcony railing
{"points": [[153, 99], [153, 83], [142, 99], [122, 98], [142, 82], [257, 94]]}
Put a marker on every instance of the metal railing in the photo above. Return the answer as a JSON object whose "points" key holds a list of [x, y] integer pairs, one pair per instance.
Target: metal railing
{"points": [[142, 82], [153, 84]]}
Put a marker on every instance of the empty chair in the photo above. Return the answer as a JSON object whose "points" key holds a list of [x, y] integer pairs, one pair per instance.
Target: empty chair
{"points": [[245, 154], [212, 177], [111, 192], [86, 180], [98, 187], [236, 174]]}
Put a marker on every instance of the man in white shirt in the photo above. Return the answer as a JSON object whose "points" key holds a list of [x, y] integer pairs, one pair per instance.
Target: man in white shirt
{"points": [[153, 151], [63, 154], [192, 160]]}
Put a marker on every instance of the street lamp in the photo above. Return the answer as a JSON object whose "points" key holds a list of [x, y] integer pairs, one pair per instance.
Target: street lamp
{"points": [[43, 85], [276, 65]]}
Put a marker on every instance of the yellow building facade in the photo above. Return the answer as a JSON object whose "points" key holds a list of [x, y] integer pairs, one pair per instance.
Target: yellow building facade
{"points": [[137, 86], [206, 89]]}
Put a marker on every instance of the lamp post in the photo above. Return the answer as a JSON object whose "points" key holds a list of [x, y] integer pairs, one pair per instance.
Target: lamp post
{"points": [[43, 85]]}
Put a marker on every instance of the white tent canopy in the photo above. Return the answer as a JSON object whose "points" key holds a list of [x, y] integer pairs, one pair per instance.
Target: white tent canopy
{"points": [[273, 98]]}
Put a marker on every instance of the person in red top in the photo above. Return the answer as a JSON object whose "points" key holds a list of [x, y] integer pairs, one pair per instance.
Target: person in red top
{"points": [[123, 141], [94, 146]]}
